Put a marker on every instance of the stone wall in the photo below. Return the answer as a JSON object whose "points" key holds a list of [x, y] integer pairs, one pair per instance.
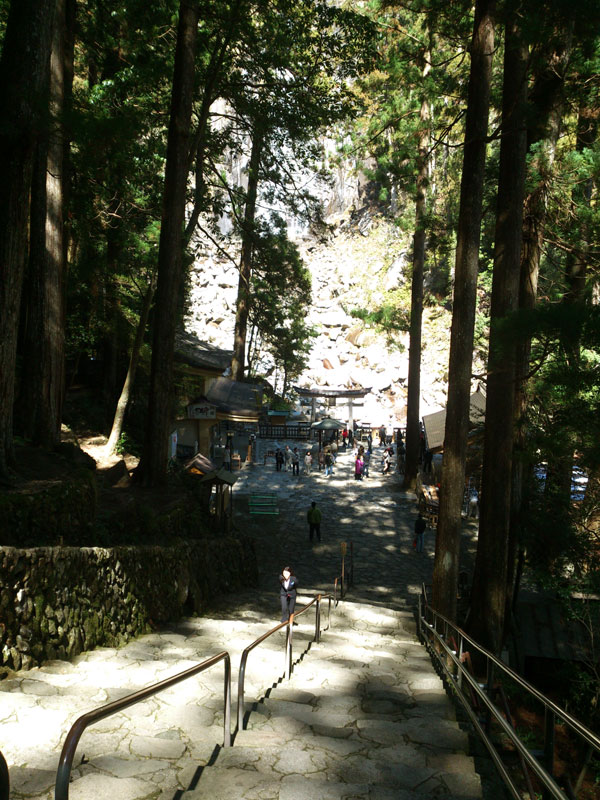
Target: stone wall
{"points": [[56, 602]]}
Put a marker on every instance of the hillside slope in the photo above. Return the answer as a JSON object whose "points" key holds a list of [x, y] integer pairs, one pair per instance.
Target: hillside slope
{"points": [[356, 266]]}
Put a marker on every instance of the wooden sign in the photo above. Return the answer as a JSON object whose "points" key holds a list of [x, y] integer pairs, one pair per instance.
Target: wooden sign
{"points": [[202, 411]]}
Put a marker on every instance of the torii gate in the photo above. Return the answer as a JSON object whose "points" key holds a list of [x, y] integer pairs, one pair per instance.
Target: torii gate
{"points": [[351, 394]]}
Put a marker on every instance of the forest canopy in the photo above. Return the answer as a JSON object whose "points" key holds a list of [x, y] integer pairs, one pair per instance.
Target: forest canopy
{"points": [[136, 134]]}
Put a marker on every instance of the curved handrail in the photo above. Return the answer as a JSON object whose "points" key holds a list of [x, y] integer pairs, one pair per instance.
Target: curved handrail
{"points": [[552, 710], [63, 774], [4, 779], [288, 648]]}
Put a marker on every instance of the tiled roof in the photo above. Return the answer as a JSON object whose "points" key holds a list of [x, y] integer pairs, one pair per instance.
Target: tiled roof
{"points": [[435, 424], [234, 396], [202, 355]]}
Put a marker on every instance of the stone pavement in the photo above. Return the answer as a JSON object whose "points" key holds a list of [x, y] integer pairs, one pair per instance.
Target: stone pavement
{"points": [[375, 514], [368, 691]]}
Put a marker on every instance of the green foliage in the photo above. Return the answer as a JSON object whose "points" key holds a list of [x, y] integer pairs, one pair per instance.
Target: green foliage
{"points": [[127, 445], [280, 298], [386, 134], [388, 317]]}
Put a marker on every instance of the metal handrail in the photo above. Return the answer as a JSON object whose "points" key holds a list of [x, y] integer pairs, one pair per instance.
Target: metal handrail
{"points": [[288, 648], [4, 779], [553, 712], [61, 790]]}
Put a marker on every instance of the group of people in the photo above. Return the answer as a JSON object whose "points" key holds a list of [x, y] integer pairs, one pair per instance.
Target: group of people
{"points": [[289, 460]]}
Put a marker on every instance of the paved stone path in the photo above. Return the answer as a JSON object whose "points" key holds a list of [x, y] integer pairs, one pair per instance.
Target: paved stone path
{"points": [[375, 514], [368, 691]]}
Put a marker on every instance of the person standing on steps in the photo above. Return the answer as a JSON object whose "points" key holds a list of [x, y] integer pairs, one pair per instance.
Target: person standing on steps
{"points": [[288, 457], [288, 585], [313, 518]]}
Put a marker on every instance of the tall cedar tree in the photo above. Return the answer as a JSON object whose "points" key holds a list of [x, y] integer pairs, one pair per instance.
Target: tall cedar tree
{"points": [[486, 621], [24, 69], [238, 362], [445, 575], [546, 102], [416, 303], [42, 380], [153, 466]]}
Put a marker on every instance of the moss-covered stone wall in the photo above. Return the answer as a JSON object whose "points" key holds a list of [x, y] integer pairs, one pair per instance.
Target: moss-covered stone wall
{"points": [[56, 602]]}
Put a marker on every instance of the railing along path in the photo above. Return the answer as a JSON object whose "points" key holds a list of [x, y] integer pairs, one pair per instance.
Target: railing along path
{"points": [[65, 766], [61, 791], [449, 652], [289, 625]]}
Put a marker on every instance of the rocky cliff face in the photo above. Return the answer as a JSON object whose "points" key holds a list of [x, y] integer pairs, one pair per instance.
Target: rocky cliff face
{"points": [[363, 263]]}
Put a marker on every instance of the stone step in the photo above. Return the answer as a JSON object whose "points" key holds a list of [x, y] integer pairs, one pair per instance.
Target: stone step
{"points": [[231, 783], [444, 735], [270, 711], [404, 766], [373, 700]]}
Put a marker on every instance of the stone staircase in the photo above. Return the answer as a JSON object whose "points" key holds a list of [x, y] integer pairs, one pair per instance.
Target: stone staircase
{"points": [[363, 716]]}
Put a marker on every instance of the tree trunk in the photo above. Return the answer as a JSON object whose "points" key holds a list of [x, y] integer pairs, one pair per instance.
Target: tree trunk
{"points": [[24, 69], [123, 401], [445, 575], [43, 299], [488, 602], [155, 454], [416, 304], [546, 102], [238, 361]]}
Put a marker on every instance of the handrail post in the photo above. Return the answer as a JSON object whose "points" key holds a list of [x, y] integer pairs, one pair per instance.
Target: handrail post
{"points": [[461, 643], [318, 620], [227, 703], [288, 647], [490, 693], [419, 631], [240, 700]]}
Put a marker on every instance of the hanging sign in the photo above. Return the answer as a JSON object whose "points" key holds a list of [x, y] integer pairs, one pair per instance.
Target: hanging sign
{"points": [[201, 411]]}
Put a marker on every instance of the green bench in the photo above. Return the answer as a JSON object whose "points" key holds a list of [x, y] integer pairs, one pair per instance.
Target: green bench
{"points": [[263, 504]]}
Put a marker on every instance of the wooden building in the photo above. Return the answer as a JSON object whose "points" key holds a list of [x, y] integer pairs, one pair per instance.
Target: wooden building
{"points": [[215, 408]]}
